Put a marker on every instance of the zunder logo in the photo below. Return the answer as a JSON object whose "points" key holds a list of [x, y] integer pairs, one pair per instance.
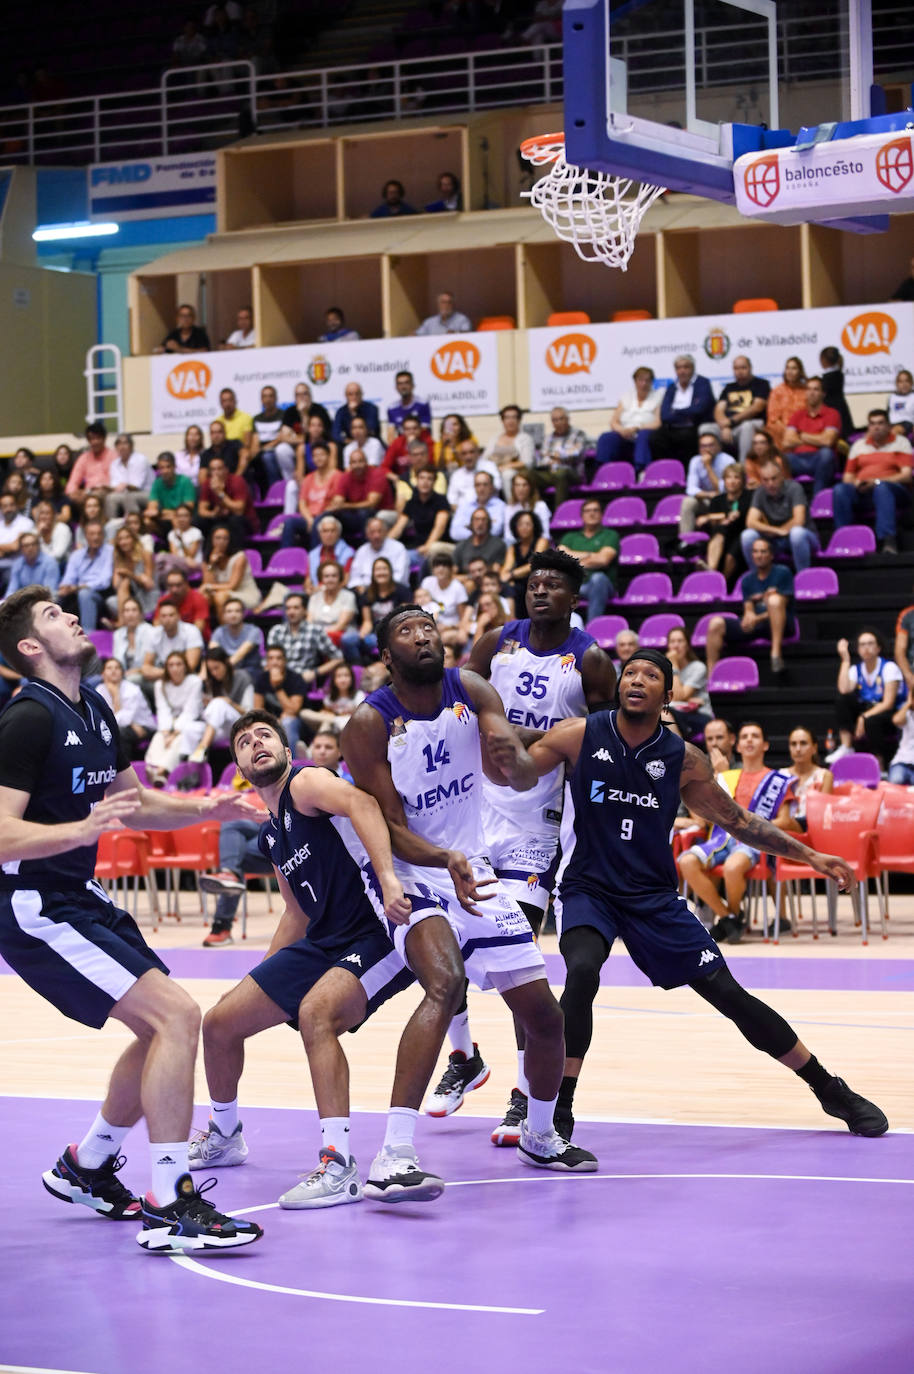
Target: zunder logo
{"points": [[571, 353], [872, 332], [895, 164], [456, 361], [762, 181], [188, 381]]}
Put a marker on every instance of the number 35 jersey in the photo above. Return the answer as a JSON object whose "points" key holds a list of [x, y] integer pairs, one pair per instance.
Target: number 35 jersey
{"points": [[617, 840]]}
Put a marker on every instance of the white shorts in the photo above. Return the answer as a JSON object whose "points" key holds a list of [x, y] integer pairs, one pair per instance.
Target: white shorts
{"points": [[498, 948], [524, 861]]}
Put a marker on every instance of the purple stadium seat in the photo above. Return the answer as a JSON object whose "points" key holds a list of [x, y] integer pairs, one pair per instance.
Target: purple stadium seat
{"points": [[859, 768], [276, 494], [853, 541], [640, 548], [103, 640], [625, 510], [227, 775], [733, 675], [663, 474], [667, 510], [613, 477], [700, 633], [822, 505], [604, 629], [194, 775], [273, 530], [815, 584], [567, 516], [648, 589], [652, 633], [699, 588], [287, 563]]}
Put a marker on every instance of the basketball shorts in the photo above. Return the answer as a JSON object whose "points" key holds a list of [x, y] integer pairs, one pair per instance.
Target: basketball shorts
{"points": [[498, 948], [292, 972], [75, 948], [661, 932], [710, 855], [525, 862]]}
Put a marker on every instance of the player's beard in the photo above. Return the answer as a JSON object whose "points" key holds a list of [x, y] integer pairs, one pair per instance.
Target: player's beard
{"points": [[268, 773], [422, 674], [80, 657]]}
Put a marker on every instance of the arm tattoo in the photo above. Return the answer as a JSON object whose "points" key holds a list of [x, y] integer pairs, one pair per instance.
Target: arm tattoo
{"points": [[743, 825]]}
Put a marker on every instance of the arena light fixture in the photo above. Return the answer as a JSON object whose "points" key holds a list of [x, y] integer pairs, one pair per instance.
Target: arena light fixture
{"points": [[47, 233]]}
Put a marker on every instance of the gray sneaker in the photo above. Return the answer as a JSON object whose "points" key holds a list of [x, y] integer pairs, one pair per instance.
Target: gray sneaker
{"points": [[210, 1149], [395, 1176], [331, 1183]]}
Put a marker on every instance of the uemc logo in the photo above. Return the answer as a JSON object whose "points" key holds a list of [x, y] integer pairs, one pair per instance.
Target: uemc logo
{"points": [[188, 381], [872, 332], [456, 362], [571, 353], [762, 181]]}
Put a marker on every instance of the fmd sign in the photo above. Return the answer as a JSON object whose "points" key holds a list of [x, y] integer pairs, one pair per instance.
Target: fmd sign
{"points": [[152, 189]]}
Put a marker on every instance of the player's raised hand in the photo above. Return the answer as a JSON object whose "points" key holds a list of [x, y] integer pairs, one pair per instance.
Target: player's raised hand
{"points": [[109, 814], [830, 866], [466, 884], [397, 906]]}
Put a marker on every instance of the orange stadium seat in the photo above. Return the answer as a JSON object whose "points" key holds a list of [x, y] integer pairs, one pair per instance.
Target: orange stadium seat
{"points": [[564, 317], [621, 316], [497, 322], [750, 306]]}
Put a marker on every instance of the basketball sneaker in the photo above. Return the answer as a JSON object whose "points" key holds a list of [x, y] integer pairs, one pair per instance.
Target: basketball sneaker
{"points": [[550, 1151], [460, 1077], [862, 1117], [395, 1176], [507, 1132], [223, 881], [332, 1182], [219, 935], [100, 1189], [210, 1149], [192, 1223]]}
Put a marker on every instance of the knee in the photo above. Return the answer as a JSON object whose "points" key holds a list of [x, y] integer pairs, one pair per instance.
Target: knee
{"points": [[183, 1017], [716, 626], [775, 601], [318, 1023], [544, 1016]]}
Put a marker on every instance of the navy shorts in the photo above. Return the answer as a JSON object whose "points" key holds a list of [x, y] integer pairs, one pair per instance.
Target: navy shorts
{"points": [[662, 933], [76, 949], [736, 635], [292, 972]]}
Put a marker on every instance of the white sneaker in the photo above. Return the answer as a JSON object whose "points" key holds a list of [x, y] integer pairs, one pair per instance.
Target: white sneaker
{"points": [[210, 1149], [841, 752], [550, 1151], [331, 1183], [395, 1176], [461, 1076]]}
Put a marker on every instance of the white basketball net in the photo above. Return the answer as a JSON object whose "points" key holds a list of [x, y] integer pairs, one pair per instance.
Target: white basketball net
{"points": [[596, 212]]}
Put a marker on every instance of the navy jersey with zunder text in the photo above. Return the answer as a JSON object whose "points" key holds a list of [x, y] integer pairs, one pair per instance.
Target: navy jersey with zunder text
{"points": [[625, 803]]}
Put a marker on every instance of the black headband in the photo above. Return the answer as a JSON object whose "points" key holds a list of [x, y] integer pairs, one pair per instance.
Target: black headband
{"points": [[659, 660]]}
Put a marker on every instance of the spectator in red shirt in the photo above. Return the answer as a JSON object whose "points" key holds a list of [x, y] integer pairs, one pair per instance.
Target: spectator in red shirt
{"points": [[192, 605], [361, 491], [314, 495], [92, 469], [225, 497], [396, 459], [877, 480], [811, 436]]}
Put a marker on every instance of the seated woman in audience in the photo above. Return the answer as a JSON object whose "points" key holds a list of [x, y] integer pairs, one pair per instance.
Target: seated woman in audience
{"points": [[490, 615], [62, 462], [527, 538], [55, 535], [340, 700], [810, 774], [522, 496], [134, 522], [185, 546], [334, 607], [632, 422], [868, 695], [785, 400], [15, 486], [690, 704], [443, 593], [724, 519], [227, 693], [131, 709], [381, 595], [133, 574], [316, 431], [134, 638], [50, 488], [901, 767], [179, 718], [93, 509], [512, 450], [454, 431], [227, 572], [900, 404], [764, 450], [188, 458]]}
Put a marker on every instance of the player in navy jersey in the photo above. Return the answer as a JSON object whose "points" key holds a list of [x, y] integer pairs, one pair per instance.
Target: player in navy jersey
{"points": [[418, 747], [618, 878], [544, 671], [64, 780], [330, 964]]}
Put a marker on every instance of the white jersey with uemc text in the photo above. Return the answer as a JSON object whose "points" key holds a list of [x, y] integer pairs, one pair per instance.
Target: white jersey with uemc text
{"points": [[537, 690]]}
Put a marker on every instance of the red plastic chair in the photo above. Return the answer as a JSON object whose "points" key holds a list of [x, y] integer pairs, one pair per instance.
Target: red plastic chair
{"points": [[895, 824]]}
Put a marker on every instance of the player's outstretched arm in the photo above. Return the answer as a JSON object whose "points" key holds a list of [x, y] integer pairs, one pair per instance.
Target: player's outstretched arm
{"points": [[560, 745], [704, 796], [318, 790], [20, 839], [505, 760], [170, 811]]}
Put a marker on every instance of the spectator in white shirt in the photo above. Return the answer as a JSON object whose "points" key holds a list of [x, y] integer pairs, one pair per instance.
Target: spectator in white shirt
{"points": [[447, 321], [172, 635], [134, 639], [523, 497], [900, 404], [56, 537], [372, 448], [242, 336], [446, 597], [378, 545], [130, 479], [483, 498], [12, 525], [460, 485], [131, 709], [512, 450], [179, 714], [630, 426]]}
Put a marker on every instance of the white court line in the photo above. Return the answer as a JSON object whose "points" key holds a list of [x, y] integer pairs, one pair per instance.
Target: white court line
{"points": [[35, 1369]]}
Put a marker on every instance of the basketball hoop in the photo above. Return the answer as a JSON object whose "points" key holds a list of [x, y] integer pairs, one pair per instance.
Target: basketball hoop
{"points": [[599, 214]]}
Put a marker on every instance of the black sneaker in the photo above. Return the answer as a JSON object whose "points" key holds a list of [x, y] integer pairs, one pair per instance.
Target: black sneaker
{"points": [[507, 1132], [550, 1151], [564, 1123], [862, 1117], [738, 927], [100, 1189], [460, 1077], [722, 929], [192, 1223]]}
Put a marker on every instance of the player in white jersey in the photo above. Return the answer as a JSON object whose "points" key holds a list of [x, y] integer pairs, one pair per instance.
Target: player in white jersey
{"points": [[417, 746], [544, 671]]}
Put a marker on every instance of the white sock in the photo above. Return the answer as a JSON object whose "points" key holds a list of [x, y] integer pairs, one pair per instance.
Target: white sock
{"points": [[168, 1161], [540, 1114], [401, 1126], [521, 1075], [458, 1032], [102, 1140], [224, 1115], [335, 1135]]}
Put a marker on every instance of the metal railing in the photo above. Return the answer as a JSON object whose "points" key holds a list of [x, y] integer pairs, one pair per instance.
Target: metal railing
{"points": [[195, 108]]}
